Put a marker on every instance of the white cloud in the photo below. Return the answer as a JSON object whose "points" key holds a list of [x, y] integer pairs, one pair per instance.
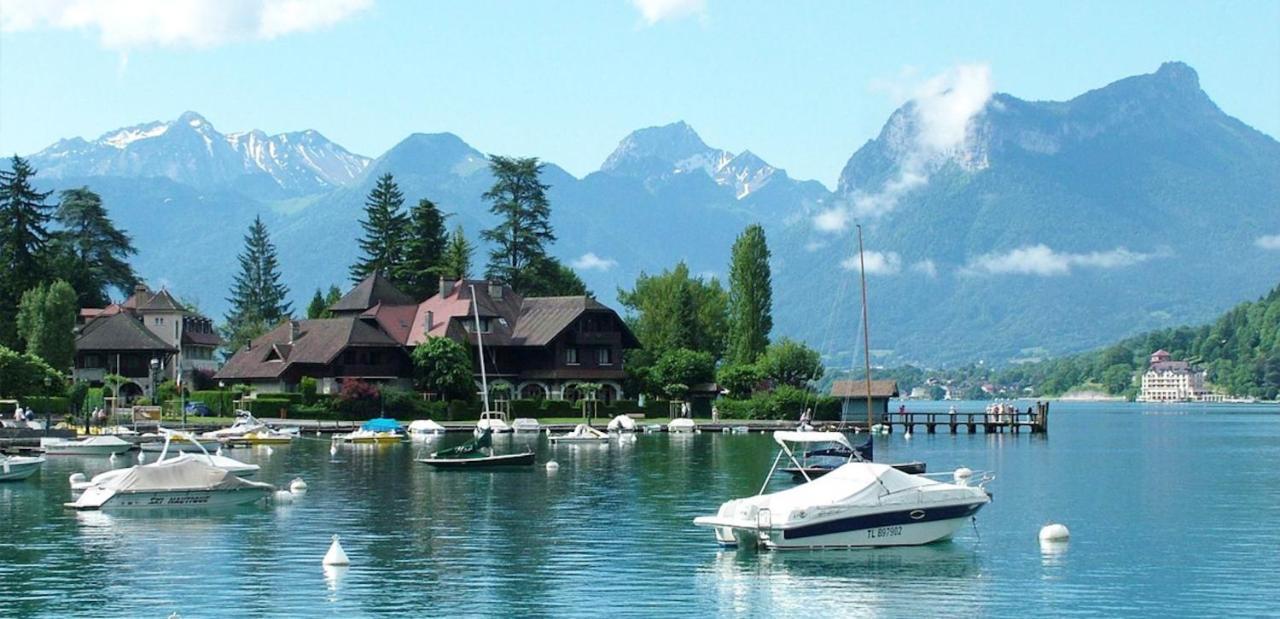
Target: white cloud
{"points": [[878, 263], [1271, 241], [654, 11], [926, 267], [813, 246], [1043, 261], [591, 262], [938, 122], [130, 24]]}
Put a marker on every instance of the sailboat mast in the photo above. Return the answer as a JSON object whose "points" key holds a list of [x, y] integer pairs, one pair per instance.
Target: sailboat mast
{"points": [[866, 331], [484, 380]]}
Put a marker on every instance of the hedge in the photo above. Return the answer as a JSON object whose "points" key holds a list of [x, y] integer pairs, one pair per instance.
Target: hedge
{"points": [[222, 403], [292, 398], [40, 405], [781, 404]]}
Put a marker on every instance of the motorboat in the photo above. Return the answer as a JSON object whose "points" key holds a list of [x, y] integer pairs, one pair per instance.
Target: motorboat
{"points": [[493, 421], [114, 430], [104, 445], [858, 504], [244, 424], [15, 468], [526, 424], [683, 424], [176, 483], [622, 423], [476, 453], [267, 436], [420, 429], [379, 430], [242, 469], [582, 433], [833, 450], [190, 446]]}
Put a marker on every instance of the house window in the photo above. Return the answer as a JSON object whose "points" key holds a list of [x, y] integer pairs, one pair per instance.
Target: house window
{"points": [[92, 361], [604, 356], [470, 325], [571, 356], [157, 321]]}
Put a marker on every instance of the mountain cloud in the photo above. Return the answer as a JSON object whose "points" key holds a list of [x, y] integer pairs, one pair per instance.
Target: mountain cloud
{"points": [[878, 263], [1271, 241], [654, 11], [1041, 260], [591, 262]]}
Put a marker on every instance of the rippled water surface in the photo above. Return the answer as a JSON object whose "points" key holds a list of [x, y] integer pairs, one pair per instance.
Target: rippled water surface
{"points": [[1174, 511]]}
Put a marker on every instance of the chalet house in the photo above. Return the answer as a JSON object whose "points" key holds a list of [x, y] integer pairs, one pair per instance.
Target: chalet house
{"points": [[147, 338], [536, 347], [853, 398]]}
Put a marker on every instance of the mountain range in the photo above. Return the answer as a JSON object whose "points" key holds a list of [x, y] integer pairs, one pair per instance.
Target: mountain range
{"points": [[1026, 229]]}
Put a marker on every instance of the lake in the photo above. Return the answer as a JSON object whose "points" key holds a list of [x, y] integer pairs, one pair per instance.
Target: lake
{"points": [[1174, 511]]}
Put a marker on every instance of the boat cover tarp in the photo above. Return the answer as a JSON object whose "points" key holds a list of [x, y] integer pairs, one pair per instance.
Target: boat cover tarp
{"points": [[469, 449], [860, 453], [855, 482], [424, 425], [177, 474], [622, 422], [381, 424], [811, 437]]}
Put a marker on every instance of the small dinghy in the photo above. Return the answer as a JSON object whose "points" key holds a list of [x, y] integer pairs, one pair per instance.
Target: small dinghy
{"points": [[476, 453], [526, 424], [15, 468], [583, 433], [622, 423], [92, 446], [682, 424], [424, 429]]}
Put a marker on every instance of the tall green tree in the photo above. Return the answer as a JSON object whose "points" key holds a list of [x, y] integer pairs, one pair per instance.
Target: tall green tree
{"points": [[456, 261], [789, 362], [443, 366], [424, 249], [673, 310], [91, 253], [519, 199], [24, 235], [258, 299], [317, 307], [551, 278], [385, 225], [47, 321], [750, 297]]}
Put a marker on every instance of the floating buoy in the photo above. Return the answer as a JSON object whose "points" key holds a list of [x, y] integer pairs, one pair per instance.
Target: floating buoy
{"points": [[336, 555], [297, 486], [1054, 533], [907, 435], [284, 496], [112, 458], [270, 450], [552, 465]]}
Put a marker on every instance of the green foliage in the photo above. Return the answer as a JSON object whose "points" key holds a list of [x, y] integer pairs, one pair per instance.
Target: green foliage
{"points": [[750, 297], [683, 367], [317, 308], [165, 391], [220, 402], [672, 311], [443, 366], [455, 263], [739, 380], [47, 321], [258, 299], [519, 200], [549, 278], [268, 407], [90, 252], [308, 388], [385, 226], [424, 246], [784, 402], [23, 241], [93, 398], [46, 405], [789, 362], [24, 374]]}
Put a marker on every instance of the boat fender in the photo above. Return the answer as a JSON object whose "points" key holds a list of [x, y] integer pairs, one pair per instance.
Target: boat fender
{"points": [[1054, 533], [962, 475], [553, 466], [336, 555], [297, 486], [76, 478]]}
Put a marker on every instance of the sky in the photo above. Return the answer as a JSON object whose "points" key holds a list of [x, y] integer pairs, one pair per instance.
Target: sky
{"points": [[801, 84]]}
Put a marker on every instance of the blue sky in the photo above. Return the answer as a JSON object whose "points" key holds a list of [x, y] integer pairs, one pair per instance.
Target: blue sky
{"points": [[800, 84]]}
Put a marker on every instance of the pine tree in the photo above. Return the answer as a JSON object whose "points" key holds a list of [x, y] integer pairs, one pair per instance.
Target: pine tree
{"points": [[423, 250], [750, 297], [257, 296], [90, 252], [385, 228], [333, 296], [520, 201], [316, 308], [23, 240], [456, 261]]}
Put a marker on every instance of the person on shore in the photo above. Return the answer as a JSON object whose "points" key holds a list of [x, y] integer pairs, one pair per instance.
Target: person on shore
{"points": [[952, 410], [17, 414], [715, 413]]}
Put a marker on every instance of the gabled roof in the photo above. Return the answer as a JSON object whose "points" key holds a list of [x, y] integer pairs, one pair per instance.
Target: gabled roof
{"points": [[118, 332], [161, 301], [543, 318], [371, 291], [858, 389], [396, 320], [318, 342]]}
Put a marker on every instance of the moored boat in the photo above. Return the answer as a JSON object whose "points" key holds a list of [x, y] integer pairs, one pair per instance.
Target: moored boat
{"points": [[492, 421], [476, 453], [421, 429], [582, 433], [526, 424], [622, 423], [15, 468], [105, 445], [175, 483], [379, 430], [683, 424]]}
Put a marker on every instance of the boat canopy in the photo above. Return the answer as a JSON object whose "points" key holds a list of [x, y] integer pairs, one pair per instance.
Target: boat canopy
{"points": [[425, 425], [783, 437], [622, 422], [381, 424], [177, 474], [854, 483]]}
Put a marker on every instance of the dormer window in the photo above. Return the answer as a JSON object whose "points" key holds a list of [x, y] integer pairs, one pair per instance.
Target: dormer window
{"points": [[485, 325]]}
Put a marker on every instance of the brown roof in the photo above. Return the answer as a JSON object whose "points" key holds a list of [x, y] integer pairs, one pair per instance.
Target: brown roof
{"points": [[161, 301], [371, 291], [858, 389], [319, 342], [119, 332], [396, 320], [543, 318]]}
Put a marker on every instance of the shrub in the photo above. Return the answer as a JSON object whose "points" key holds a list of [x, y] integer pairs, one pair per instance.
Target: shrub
{"points": [[268, 407], [42, 405], [27, 374], [220, 402], [308, 388], [291, 398], [357, 400], [740, 380], [93, 399]]}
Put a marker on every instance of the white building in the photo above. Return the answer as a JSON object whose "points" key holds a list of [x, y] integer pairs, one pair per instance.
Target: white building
{"points": [[1171, 381]]}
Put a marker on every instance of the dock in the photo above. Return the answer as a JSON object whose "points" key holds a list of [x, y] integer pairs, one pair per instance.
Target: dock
{"points": [[1035, 422]]}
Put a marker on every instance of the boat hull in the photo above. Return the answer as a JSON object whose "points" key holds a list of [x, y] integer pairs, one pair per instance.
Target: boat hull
{"points": [[521, 459], [168, 499], [913, 527], [86, 450], [579, 440], [181, 447], [22, 469]]}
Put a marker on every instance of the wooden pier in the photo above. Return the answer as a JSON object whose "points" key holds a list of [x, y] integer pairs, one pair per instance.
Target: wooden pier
{"points": [[1035, 421]]}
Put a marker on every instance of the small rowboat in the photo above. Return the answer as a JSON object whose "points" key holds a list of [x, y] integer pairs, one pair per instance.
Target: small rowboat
{"points": [[475, 454]]}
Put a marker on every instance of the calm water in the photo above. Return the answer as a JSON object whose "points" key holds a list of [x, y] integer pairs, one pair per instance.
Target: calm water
{"points": [[1174, 511]]}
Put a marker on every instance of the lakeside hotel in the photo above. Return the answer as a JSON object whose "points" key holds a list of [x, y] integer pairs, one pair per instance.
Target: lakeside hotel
{"points": [[1172, 381]]}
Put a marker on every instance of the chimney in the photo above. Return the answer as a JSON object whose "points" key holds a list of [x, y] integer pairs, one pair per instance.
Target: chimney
{"points": [[295, 331], [431, 320], [140, 289], [495, 290], [446, 286]]}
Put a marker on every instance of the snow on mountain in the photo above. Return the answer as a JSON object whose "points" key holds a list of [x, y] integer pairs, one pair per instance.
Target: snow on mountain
{"points": [[191, 151], [656, 154]]}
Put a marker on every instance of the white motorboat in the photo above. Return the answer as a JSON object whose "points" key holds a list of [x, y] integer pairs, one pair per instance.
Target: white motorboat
{"points": [[526, 424], [582, 433], [242, 469], [266, 436], [682, 424], [622, 423], [493, 421], [175, 483], [190, 446], [421, 429], [245, 423], [105, 445], [857, 504], [14, 468]]}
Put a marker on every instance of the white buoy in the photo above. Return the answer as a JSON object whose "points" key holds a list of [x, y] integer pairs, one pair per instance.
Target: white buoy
{"points": [[297, 486], [1054, 533], [552, 465], [907, 435], [270, 450], [112, 457], [333, 451], [336, 555], [284, 496]]}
